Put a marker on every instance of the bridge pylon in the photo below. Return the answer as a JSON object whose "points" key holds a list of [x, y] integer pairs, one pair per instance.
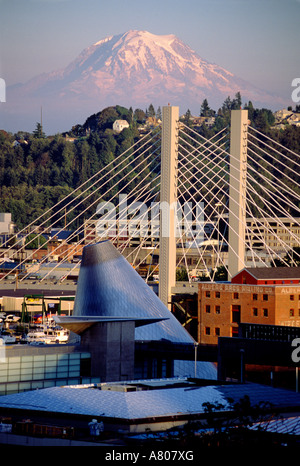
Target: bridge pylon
{"points": [[237, 191], [168, 197], [168, 203]]}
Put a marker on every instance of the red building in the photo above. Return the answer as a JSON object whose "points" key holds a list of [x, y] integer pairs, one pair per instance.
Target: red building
{"points": [[268, 276], [265, 295]]}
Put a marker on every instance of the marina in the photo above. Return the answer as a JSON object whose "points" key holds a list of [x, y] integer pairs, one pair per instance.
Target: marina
{"points": [[45, 333]]}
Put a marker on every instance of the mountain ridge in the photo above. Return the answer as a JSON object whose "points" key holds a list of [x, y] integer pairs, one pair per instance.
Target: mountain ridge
{"points": [[134, 68]]}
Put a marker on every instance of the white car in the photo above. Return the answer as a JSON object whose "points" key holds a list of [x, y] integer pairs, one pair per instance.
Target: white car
{"points": [[12, 318]]}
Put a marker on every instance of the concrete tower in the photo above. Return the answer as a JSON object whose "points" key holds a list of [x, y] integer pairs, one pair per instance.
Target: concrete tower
{"points": [[237, 191], [168, 200]]}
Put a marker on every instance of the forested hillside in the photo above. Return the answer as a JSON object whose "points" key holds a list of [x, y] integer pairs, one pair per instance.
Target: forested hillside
{"points": [[36, 170]]}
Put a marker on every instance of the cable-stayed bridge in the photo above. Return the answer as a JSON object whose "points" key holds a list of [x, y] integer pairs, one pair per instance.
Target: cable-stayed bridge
{"points": [[227, 201]]}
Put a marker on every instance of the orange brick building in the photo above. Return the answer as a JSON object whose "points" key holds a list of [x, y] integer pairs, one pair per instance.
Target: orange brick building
{"points": [[261, 296]]}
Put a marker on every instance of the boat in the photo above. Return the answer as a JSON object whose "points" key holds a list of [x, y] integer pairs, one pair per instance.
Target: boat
{"points": [[59, 334], [39, 338], [7, 338], [48, 336]]}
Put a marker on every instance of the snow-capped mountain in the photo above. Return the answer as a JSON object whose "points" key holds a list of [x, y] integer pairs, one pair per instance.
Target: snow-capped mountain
{"points": [[132, 69]]}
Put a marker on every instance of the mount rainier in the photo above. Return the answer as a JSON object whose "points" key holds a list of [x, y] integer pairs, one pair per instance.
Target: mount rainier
{"points": [[132, 69]]}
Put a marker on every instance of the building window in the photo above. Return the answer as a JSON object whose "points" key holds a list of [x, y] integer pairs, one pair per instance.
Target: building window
{"points": [[207, 294], [254, 297], [236, 314], [292, 312], [207, 330], [265, 297], [235, 296], [292, 297], [265, 312], [255, 311], [218, 294], [207, 308], [234, 331], [218, 310], [217, 331]]}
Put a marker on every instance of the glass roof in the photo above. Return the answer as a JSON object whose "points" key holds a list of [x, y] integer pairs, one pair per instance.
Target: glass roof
{"points": [[109, 286]]}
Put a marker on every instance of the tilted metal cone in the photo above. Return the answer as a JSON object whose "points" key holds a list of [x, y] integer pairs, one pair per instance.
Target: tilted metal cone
{"points": [[109, 286]]}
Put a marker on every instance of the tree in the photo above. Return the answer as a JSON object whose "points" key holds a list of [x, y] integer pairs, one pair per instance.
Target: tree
{"points": [[106, 118], [34, 241], [139, 115], [205, 110], [130, 115], [250, 108], [182, 275], [237, 101], [67, 166], [83, 160], [187, 116], [159, 113], [151, 111], [55, 175], [227, 105], [38, 132]]}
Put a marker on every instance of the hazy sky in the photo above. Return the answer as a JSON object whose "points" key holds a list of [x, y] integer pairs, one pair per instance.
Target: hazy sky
{"points": [[257, 40]]}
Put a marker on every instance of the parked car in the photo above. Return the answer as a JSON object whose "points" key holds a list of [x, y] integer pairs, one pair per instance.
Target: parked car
{"points": [[12, 318]]}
